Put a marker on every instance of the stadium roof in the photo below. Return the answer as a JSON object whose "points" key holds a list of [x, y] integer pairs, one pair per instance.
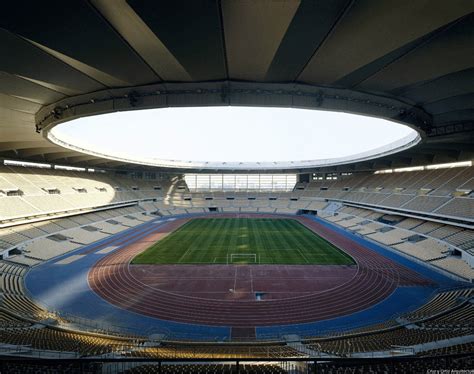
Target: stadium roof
{"points": [[409, 61]]}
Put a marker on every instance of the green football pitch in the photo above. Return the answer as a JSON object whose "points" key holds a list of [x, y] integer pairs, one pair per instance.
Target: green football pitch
{"points": [[243, 241]]}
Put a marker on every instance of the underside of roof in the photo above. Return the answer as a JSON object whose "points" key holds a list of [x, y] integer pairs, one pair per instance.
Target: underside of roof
{"points": [[409, 61]]}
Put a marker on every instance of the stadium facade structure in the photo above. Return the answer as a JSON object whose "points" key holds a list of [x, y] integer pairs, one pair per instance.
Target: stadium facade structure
{"points": [[410, 62]]}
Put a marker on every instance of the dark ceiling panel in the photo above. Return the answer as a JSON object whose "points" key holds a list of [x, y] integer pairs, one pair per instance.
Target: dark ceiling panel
{"points": [[77, 30], [456, 116], [451, 50], [58, 156], [16, 86], [191, 31], [451, 104], [15, 103], [371, 29], [365, 72], [20, 57], [32, 152], [139, 37], [453, 84], [249, 31], [22, 145], [311, 23]]}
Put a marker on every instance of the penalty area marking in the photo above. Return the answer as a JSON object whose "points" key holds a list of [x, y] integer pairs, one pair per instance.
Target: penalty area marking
{"points": [[231, 256]]}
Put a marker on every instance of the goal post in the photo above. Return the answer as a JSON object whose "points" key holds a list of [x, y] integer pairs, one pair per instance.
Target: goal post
{"points": [[242, 258]]}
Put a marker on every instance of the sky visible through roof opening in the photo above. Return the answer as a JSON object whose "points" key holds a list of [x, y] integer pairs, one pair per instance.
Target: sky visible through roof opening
{"points": [[231, 134]]}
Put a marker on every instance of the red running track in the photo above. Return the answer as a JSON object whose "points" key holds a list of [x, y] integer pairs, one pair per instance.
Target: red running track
{"points": [[224, 295], [224, 282]]}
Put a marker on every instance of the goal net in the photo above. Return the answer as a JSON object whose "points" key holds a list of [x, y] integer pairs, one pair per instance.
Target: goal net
{"points": [[242, 258]]}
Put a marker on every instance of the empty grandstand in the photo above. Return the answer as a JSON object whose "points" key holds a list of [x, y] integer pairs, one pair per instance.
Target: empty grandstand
{"points": [[115, 262]]}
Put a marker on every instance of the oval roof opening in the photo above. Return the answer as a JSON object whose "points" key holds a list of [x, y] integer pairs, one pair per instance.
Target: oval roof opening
{"points": [[234, 137]]}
